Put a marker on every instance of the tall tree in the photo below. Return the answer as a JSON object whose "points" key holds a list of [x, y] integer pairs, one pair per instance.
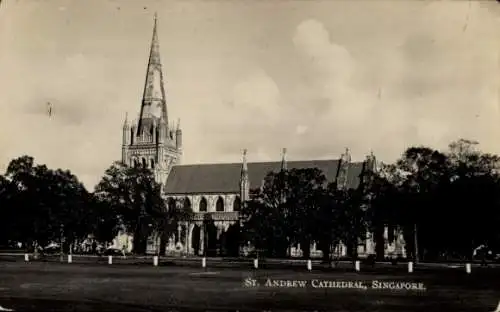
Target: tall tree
{"points": [[383, 198], [267, 217], [424, 170], [103, 219], [135, 196], [7, 227], [44, 205], [306, 196], [474, 194]]}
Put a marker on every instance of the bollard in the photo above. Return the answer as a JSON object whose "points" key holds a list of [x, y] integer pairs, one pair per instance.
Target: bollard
{"points": [[70, 258], [356, 265], [26, 257], [110, 259], [256, 263], [410, 267], [203, 262], [155, 260], [467, 268], [309, 265]]}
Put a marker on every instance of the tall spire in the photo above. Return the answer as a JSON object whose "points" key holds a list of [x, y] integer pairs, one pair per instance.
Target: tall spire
{"points": [[153, 99], [283, 160], [244, 181], [125, 122], [244, 167]]}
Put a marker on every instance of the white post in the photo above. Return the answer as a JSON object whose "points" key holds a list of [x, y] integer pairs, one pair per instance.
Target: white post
{"points": [[203, 262], [256, 263], [467, 268], [110, 259], [70, 258], [155, 260], [26, 257], [410, 267], [309, 265], [356, 265]]}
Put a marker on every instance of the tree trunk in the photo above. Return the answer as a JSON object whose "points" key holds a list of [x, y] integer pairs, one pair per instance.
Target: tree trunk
{"points": [[140, 242], [306, 248], [379, 243], [325, 247], [163, 243]]}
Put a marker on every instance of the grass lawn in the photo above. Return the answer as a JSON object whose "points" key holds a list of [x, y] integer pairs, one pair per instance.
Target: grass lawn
{"points": [[38, 286]]}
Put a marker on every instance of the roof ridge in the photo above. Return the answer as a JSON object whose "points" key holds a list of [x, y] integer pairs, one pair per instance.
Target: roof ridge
{"points": [[264, 162]]}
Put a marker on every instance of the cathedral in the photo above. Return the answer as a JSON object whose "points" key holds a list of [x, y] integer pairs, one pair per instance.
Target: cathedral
{"points": [[216, 191]]}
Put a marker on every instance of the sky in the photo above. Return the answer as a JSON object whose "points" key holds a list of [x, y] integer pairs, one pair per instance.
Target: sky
{"points": [[312, 76]]}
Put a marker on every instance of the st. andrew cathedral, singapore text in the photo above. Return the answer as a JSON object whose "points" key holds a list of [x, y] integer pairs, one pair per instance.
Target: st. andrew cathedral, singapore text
{"points": [[336, 284]]}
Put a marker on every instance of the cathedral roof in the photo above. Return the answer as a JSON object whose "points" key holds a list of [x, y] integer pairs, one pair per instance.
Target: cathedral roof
{"points": [[225, 177]]}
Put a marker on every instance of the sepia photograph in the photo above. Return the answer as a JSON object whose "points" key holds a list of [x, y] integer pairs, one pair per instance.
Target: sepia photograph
{"points": [[229, 155]]}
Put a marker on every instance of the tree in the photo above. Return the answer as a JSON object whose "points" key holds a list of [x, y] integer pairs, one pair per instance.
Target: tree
{"points": [[424, 171], [104, 220], [426, 189], [473, 192], [135, 197], [329, 230], [266, 216], [384, 201], [43, 203], [177, 212], [6, 225], [284, 211], [306, 189]]}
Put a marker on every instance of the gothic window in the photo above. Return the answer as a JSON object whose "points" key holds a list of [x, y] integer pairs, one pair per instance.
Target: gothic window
{"points": [[203, 204], [187, 204], [237, 204], [132, 136], [219, 206], [144, 164], [136, 163], [152, 163]]}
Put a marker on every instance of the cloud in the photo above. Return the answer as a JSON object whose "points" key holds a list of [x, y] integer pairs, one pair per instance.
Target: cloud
{"points": [[429, 84], [332, 77]]}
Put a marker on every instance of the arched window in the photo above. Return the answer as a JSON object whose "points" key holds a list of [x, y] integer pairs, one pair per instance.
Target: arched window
{"points": [[152, 163], [187, 204], [136, 163], [132, 136], [144, 164], [219, 206], [203, 204], [237, 204], [170, 204]]}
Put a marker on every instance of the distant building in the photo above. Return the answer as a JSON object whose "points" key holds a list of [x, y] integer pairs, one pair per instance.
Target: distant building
{"points": [[212, 191]]}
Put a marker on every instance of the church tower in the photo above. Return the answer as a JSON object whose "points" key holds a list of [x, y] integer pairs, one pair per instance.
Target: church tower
{"points": [[151, 141]]}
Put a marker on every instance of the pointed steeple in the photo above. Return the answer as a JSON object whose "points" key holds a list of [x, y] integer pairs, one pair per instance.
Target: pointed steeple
{"points": [[126, 124], [371, 162], [283, 160], [244, 181], [342, 174], [178, 127], [153, 99], [283, 175], [244, 166], [346, 157]]}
